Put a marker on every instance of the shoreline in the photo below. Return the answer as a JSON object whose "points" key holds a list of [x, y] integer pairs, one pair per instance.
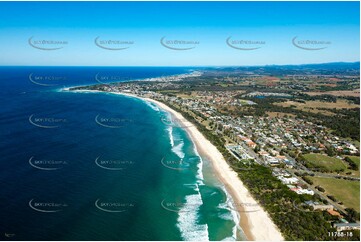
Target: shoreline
{"points": [[256, 224]]}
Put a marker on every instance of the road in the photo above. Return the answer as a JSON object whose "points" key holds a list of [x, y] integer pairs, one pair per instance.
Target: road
{"points": [[322, 195]]}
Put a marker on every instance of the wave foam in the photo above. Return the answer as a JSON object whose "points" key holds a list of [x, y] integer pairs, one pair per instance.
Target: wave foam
{"points": [[199, 165], [153, 106], [171, 137], [188, 219], [178, 150], [234, 213]]}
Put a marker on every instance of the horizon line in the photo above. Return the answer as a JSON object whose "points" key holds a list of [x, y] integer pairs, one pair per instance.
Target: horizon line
{"points": [[185, 66]]}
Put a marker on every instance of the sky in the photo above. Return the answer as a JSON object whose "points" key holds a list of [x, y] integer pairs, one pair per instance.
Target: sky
{"points": [[178, 33]]}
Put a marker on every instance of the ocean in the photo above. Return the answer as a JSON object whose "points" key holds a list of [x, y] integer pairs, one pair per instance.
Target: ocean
{"points": [[100, 166]]}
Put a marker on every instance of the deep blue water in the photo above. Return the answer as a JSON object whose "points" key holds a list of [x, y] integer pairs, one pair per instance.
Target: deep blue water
{"points": [[96, 166]]}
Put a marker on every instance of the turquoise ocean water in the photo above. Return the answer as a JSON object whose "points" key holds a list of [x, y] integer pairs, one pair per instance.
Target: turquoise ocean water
{"points": [[98, 166]]}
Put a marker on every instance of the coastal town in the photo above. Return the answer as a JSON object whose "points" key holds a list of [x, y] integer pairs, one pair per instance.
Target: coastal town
{"points": [[301, 151], [180, 120]]}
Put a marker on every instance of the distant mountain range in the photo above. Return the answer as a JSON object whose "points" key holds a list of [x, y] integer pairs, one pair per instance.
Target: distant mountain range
{"points": [[330, 65], [332, 68]]}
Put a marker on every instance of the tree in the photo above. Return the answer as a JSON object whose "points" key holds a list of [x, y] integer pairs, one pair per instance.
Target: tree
{"points": [[352, 215]]}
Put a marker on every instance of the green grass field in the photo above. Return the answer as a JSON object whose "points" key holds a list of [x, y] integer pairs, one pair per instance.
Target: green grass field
{"points": [[324, 162], [345, 191]]}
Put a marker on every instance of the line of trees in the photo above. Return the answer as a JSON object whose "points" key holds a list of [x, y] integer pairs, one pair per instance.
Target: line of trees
{"points": [[351, 163], [275, 197]]}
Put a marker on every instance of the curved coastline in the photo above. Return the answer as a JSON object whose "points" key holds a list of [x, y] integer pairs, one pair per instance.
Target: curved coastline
{"points": [[256, 225]]}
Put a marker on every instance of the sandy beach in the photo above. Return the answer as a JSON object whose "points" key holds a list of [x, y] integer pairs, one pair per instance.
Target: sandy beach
{"points": [[256, 223]]}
